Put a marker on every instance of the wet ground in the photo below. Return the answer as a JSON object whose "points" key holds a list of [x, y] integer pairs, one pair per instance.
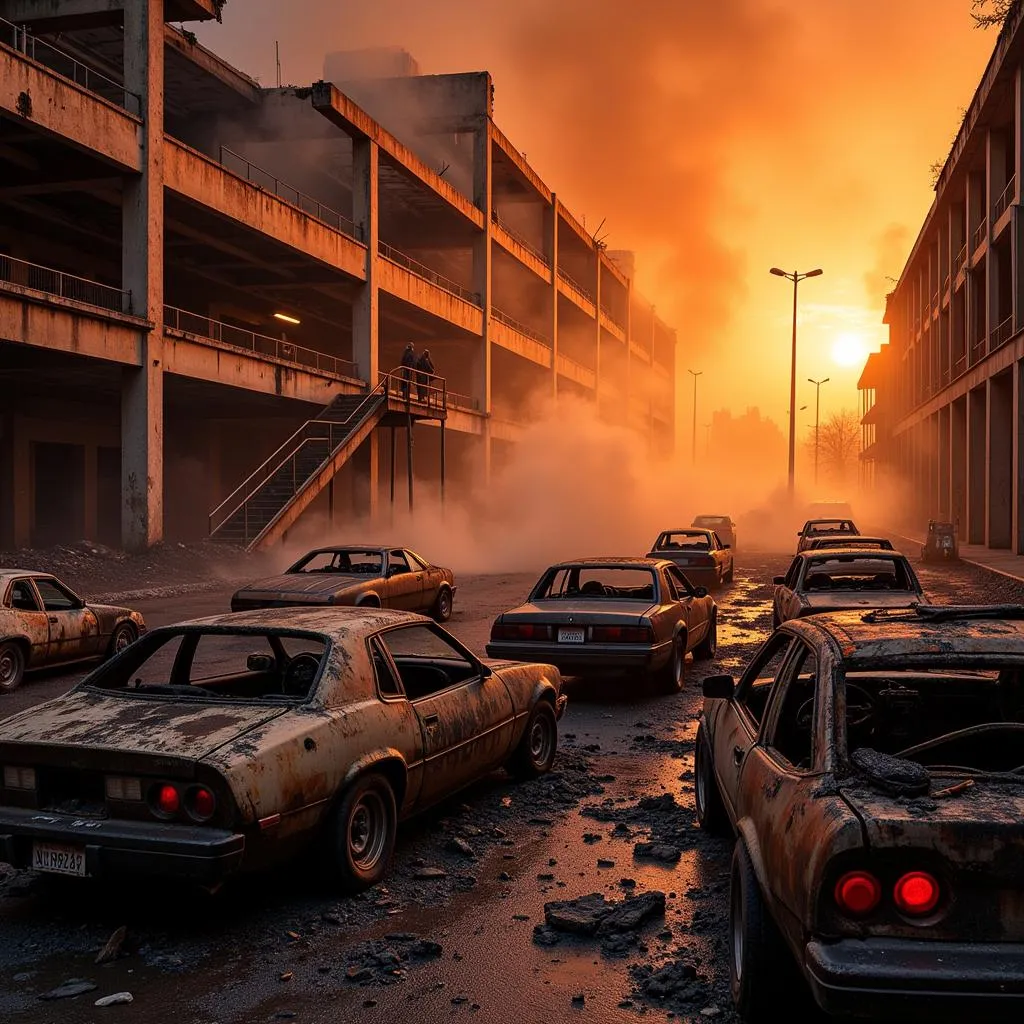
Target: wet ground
{"points": [[459, 928]]}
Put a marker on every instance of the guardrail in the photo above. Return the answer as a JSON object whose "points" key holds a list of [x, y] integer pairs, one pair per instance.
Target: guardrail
{"points": [[259, 344], [18, 38], [1002, 334], [612, 318], [256, 175], [977, 352], [959, 260], [978, 235], [518, 238], [1006, 197], [66, 286], [467, 402], [575, 286], [389, 252], [959, 366], [529, 332]]}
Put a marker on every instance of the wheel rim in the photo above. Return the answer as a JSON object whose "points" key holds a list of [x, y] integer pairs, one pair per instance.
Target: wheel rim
{"points": [[678, 656], [540, 740], [446, 603], [736, 921], [8, 667], [699, 793], [122, 640], [367, 831]]}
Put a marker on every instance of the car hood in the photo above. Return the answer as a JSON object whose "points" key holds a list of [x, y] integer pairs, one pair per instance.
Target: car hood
{"points": [[127, 723], [311, 585], [587, 612], [829, 601]]}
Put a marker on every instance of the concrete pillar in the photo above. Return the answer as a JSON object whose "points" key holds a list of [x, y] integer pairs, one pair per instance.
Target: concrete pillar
{"points": [[944, 462], [142, 393], [21, 473], [482, 255], [89, 491], [552, 233], [958, 464], [977, 465], [1018, 458], [597, 350], [1000, 461]]}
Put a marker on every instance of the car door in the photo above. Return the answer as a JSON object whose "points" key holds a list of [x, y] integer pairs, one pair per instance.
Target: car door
{"points": [[740, 721], [73, 629], [784, 592], [430, 580], [404, 587], [29, 619], [722, 556], [465, 711]]}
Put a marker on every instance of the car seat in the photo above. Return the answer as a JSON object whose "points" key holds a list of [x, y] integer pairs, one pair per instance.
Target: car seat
{"points": [[593, 587], [819, 581]]}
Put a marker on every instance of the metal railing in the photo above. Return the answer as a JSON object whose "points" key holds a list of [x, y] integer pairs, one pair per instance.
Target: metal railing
{"points": [[415, 387], [259, 344], [18, 38], [978, 235], [612, 318], [575, 286], [389, 252], [256, 175], [977, 351], [1005, 198], [529, 332], [959, 367], [65, 286], [945, 284], [584, 370], [468, 402], [1002, 334], [959, 260], [519, 240]]}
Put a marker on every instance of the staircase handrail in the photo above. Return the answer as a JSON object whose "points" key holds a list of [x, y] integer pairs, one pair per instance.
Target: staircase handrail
{"points": [[405, 378]]}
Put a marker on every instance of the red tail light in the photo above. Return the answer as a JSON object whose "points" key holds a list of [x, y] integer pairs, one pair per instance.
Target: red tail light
{"points": [[916, 893], [858, 893], [201, 803], [621, 634], [703, 560], [520, 631], [166, 800]]}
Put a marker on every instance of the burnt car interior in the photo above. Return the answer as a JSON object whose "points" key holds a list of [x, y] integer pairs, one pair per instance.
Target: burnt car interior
{"points": [[611, 582], [426, 661], [683, 541], [850, 572], [236, 664], [348, 561]]}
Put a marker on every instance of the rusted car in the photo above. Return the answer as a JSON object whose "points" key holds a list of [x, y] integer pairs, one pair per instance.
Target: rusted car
{"points": [[722, 525], [942, 544], [369, 577], [844, 578], [611, 616], [815, 528], [234, 742], [871, 766], [700, 554], [44, 623], [844, 541]]}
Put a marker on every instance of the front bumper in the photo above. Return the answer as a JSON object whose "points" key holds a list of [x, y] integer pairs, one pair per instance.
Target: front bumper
{"points": [[587, 658], [560, 701], [909, 977], [116, 848]]}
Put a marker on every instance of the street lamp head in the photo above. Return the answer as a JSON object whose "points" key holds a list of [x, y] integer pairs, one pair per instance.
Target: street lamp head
{"points": [[814, 273], [777, 272], [826, 380]]}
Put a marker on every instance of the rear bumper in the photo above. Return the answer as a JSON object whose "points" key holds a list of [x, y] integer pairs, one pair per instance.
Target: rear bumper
{"points": [[114, 848], [560, 701], [586, 659], [907, 977]]}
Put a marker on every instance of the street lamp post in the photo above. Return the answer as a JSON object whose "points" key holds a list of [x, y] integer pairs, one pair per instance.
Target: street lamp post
{"points": [[707, 439], [817, 419], [796, 277], [695, 374]]}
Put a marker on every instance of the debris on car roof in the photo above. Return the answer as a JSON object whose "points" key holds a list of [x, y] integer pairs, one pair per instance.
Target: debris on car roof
{"points": [[946, 612], [892, 775]]}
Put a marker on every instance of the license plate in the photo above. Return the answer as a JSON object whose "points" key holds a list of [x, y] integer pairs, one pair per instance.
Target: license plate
{"points": [[570, 636], [58, 860]]}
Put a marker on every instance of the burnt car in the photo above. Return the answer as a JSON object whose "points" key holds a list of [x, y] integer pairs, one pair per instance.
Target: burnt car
{"points": [[611, 616], [845, 541], [722, 525], [871, 767], [231, 743], [44, 623], [815, 528], [369, 577], [942, 544], [844, 578], [700, 554]]}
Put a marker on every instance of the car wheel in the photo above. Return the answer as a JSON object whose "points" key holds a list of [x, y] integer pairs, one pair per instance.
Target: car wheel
{"points": [[123, 635], [442, 610], [669, 678], [775, 620], [708, 647], [361, 834], [536, 751], [711, 814], [757, 952], [12, 666]]}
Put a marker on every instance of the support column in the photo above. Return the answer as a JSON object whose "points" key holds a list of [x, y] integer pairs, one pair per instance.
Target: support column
{"points": [[944, 460], [1018, 458], [999, 486], [483, 252], [597, 351], [958, 464], [552, 234], [142, 272], [977, 465], [89, 490]]}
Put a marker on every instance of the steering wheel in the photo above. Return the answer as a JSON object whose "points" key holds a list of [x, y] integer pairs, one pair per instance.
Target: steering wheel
{"points": [[860, 706], [300, 673]]}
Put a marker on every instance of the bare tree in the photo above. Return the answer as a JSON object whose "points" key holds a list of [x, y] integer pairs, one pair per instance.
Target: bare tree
{"points": [[838, 446], [987, 13]]}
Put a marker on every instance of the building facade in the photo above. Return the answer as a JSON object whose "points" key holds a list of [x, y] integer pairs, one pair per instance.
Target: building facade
{"points": [[941, 402], [194, 269]]}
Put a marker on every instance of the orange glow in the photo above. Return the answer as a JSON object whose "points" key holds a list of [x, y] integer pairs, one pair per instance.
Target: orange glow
{"points": [[849, 350]]}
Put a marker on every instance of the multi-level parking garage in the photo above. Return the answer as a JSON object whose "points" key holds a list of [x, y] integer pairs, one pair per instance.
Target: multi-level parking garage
{"points": [[202, 282]]}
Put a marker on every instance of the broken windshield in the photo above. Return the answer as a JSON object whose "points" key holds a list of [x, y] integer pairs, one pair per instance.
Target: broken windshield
{"points": [[596, 583]]}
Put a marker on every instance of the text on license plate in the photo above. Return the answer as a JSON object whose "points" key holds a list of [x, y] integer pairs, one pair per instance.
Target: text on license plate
{"points": [[58, 860], [570, 636]]}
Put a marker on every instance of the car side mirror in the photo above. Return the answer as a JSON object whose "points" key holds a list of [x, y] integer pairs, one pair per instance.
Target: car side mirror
{"points": [[260, 663], [779, 581], [486, 671], [719, 687], [701, 591]]}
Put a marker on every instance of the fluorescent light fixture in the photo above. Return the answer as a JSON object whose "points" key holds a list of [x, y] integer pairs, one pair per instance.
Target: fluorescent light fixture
{"points": [[287, 319]]}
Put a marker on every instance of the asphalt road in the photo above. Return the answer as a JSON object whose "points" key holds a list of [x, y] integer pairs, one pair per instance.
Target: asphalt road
{"points": [[279, 947]]}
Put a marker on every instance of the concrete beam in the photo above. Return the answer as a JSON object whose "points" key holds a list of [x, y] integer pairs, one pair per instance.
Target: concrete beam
{"points": [[581, 302], [574, 371], [502, 142], [576, 226], [512, 341], [66, 15], [34, 96], [418, 291], [515, 248], [609, 325], [196, 177], [211, 64], [354, 121]]}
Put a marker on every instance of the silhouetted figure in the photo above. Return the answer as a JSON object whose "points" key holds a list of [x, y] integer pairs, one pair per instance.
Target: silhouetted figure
{"points": [[408, 365], [426, 371]]}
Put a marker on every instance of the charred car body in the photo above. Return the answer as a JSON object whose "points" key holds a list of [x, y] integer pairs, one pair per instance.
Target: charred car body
{"points": [[872, 768], [942, 542], [44, 623], [844, 541], [233, 742], [722, 525], [844, 578], [699, 553], [815, 528], [612, 616], [369, 577]]}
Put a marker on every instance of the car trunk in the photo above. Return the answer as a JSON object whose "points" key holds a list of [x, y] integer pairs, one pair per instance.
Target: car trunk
{"points": [[596, 612]]}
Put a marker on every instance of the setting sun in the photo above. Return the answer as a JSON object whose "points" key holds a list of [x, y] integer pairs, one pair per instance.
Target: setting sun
{"points": [[849, 349]]}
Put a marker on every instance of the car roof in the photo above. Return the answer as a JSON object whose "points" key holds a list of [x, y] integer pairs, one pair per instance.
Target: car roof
{"points": [[868, 555], [338, 623], [612, 562], [690, 529], [711, 515], [9, 574], [827, 519], [355, 547]]}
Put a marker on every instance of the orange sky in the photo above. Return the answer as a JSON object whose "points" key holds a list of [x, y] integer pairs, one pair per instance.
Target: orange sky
{"points": [[716, 140]]}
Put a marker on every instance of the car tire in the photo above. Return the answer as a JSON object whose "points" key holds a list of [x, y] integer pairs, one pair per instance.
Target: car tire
{"points": [[708, 647], [124, 634], [12, 666], [536, 751], [758, 968], [360, 835], [730, 574], [442, 610], [670, 677], [775, 620], [711, 815]]}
